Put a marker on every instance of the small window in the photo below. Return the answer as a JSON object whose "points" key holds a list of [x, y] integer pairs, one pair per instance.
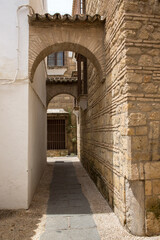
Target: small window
{"points": [[55, 59]]}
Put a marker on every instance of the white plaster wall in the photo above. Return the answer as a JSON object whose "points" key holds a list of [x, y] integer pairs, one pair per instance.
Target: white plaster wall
{"points": [[37, 118], [22, 110], [13, 104], [13, 146], [37, 129], [39, 82], [37, 143], [14, 43], [56, 71]]}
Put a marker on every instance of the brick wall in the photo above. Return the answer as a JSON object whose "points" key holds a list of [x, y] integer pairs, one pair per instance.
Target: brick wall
{"points": [[120, 129]]}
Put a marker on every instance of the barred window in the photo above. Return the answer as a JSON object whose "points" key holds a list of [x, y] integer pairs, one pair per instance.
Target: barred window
{"points": [[56, 134], [55, 59]]}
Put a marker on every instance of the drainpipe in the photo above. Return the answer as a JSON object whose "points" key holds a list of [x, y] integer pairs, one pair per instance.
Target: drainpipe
{"points": [[31, 11]]}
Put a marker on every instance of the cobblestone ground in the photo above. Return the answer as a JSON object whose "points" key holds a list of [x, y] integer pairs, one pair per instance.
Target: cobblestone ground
{"points": [[81, 214]]}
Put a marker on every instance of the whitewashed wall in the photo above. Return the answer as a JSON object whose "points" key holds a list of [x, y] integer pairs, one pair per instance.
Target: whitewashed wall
{"points": [[37, 129], [13, 146], [22, 109]]}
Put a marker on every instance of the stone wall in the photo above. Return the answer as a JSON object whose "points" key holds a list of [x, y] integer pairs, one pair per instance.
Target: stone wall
{"points": [[64, 101], [142, 28], [120, 129]]}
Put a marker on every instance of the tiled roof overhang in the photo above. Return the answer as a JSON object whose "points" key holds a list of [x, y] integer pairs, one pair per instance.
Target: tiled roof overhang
{"points": [[51, 80], [65, 18]]}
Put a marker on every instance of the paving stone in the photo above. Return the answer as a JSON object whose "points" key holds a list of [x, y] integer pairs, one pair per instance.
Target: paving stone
{"points": [[57, 222], [82, 221], [69, 215], [55, 235], [73, 234]]}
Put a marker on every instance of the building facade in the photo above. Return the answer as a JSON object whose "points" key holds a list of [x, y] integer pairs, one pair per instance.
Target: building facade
{"points": [[119, 117], [120, 131], [22, 108]]}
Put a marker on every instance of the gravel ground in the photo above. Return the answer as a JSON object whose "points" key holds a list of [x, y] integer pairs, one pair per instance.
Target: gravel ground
{"points": [[107, 222], [30, 224]]}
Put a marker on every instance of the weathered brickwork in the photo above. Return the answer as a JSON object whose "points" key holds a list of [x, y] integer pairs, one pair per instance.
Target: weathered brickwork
{"points": [[69, 36], [120, 130]]}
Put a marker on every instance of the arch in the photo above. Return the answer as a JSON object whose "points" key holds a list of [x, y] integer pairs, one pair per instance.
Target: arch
{"points": [[55, 89], [80, 37], [61, 93]]}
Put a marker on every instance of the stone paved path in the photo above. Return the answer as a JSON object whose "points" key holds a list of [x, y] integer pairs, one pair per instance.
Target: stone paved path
{"points": [[69, 216], [76, 209]]}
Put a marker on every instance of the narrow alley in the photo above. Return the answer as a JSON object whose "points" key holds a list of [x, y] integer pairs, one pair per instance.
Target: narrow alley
{"points": [[66, 206]]}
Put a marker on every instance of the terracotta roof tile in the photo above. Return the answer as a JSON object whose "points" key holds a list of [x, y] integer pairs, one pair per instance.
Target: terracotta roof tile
{"points": [[61, 80], [65, 18]]}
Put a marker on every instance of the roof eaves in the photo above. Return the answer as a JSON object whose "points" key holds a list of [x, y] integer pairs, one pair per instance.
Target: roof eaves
{"points": [[57, 17]]}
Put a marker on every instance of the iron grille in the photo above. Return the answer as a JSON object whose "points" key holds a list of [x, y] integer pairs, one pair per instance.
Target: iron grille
{"points": [[56, 134]]}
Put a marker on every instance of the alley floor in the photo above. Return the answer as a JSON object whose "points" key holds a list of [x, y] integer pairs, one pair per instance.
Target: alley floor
{"points": [[66, 206]]}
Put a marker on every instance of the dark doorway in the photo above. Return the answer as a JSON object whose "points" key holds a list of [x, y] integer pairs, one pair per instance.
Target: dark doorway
{"points": [[56, 134]]}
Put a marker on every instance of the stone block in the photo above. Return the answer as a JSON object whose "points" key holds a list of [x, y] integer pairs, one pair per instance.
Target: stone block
{"points": [[149, 88], [134, 172], [135, 207], [154, 130], [152, 170], [147, 78], [156, 35], [156, 186], [156, 60], [137, 119], [140, 156], [133, 24], [154, 116], [141, 130], [134, 77], [133, 51], [152, 224], [144, 107], [139, 143], [145, 60], [131, 61], [148, 188], [132, 87], [143, 34]]}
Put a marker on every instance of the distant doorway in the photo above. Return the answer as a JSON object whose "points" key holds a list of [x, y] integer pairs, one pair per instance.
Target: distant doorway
{"points": [[56, 134]]}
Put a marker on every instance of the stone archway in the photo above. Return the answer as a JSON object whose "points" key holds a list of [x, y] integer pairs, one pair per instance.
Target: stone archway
{"points": [[54, 89], [84, 35]]}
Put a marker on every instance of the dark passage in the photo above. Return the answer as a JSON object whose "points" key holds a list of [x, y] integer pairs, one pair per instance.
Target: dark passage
{"points": [[69, 216]]}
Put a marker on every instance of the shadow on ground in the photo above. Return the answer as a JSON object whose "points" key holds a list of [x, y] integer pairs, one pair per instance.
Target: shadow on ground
{"points": [[59, 193], [69, 215], [66, 195]]}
